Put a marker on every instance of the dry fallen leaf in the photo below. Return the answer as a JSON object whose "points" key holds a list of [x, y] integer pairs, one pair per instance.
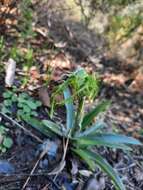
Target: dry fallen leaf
{"points": [[34, 73], [59, 65], [44, 96], [116, 79], [10, 72], [60, 61], [137, 84]]}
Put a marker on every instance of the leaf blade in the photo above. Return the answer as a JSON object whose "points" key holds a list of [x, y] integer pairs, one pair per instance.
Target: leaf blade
{"points": [[85, 157], [109, 140], [104, 165], [35, 123], [114, 138], [86, 143], [69, 109], [91, 115], [53, 127], [91, 130]]}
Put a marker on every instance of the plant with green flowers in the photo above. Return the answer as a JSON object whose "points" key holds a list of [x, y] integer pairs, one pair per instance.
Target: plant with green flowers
{"points": [[81, 133]]}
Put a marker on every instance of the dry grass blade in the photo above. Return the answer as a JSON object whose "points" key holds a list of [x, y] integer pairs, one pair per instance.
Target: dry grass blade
{"points": [[33, 169]]}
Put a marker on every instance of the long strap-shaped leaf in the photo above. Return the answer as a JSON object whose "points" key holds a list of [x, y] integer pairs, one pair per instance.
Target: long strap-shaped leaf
{"points": [[84, 143], [69, 109], [90, 116], [38, 125], [89, 156], [53, 127], [91, 130], [111, 138]]}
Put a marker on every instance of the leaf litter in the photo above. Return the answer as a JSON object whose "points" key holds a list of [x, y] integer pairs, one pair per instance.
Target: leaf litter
{"points": [[121, 120]]}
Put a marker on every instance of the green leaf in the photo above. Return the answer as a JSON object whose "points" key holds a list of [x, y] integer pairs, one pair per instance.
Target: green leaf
{"points": [[32, 105], [3, 149], [88, 118], [7, 102], [21, 100], [26, 109], [103, 164], [69, 108], [20, 104], [38, 125], [5, 110], [86, 158], [20, 113], [14, 98], [109, 140], [89, 143], [23, 95], [53, 127], [113, 138], [38, 103], [7, 142], [2, 130], [7, 94], [34, 113], [91, 130]]}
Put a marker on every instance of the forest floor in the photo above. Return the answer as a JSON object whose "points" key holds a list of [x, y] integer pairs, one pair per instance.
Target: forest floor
{"points": [[125, 115]]}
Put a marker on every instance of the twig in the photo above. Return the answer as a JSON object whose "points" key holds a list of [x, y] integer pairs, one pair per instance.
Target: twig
{"points": [[35, 166], [20, 126], [65, 150], [62, 163]]}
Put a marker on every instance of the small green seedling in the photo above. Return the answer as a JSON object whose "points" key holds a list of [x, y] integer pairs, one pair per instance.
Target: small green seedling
{"points": [[5, 141], [22, 104]]}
